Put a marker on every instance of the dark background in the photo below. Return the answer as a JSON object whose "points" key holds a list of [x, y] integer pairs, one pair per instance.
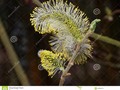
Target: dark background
{"points": [[29, 42]]}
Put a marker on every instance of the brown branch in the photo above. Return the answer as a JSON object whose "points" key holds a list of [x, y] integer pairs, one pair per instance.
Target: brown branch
{"points": [[116, 12], [12, 56], [71, 62]]}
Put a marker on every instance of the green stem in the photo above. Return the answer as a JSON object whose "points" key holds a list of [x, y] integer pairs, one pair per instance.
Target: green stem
{"points": [[13, 56], [106, 39]]}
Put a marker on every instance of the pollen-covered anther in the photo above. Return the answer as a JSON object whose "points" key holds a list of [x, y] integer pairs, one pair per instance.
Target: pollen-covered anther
{"points": [[51, 61]]}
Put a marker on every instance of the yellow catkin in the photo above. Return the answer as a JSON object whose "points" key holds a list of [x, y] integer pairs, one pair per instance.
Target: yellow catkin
{"points": [[67, 26]]}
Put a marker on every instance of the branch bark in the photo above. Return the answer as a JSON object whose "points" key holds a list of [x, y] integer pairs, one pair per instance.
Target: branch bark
{"points": [[71, 62]]}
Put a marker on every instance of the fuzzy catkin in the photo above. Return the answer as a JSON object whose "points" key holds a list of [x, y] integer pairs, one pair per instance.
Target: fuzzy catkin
{"points": [[68, 26]]}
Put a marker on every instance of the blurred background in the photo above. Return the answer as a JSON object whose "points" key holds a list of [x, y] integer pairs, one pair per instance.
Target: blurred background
{"points": [[23, 66]]}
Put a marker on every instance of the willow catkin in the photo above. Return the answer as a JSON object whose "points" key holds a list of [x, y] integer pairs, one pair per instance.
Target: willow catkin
{"points": [[68, 26], [52, 61]]}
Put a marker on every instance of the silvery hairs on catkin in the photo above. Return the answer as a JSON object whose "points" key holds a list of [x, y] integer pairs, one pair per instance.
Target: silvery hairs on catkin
{"points": [[68, 26]]}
